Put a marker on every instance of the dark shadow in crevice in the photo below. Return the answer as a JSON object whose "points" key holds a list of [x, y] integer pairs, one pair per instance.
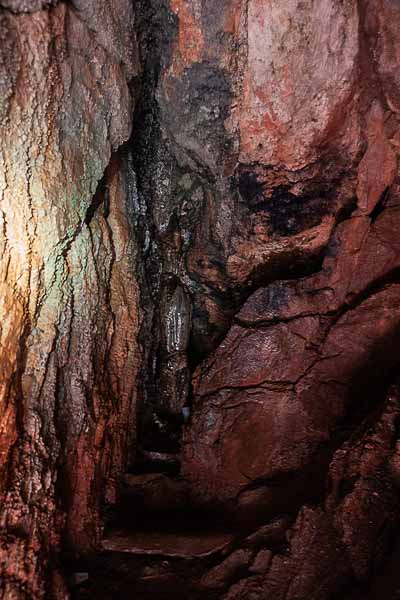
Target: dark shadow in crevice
{"points": [[380, 206]]}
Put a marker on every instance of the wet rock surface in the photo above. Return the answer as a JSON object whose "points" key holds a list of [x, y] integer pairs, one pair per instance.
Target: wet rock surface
{"points": [[200, 299]]}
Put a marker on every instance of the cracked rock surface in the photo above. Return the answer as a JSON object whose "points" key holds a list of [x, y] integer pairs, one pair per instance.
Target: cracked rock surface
{"points": [[68, 285]]}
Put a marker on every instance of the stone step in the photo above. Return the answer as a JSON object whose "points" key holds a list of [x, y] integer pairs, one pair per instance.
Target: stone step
{"points": [[182, 545]]}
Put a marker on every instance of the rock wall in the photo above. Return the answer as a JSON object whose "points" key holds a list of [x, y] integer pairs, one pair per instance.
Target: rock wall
{"points": [[200, 206], [279, 129], [69, 296]]}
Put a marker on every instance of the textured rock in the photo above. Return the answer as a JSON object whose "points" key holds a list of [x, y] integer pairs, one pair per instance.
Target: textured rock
{"points": [[21, 6], [345, 539], [295, 387], [69, 298], [261, 562], [305, 360], [220, 576], [299, 353], [225, 216], [272, 534], [173, 545], [294, 50], [155, 493]]}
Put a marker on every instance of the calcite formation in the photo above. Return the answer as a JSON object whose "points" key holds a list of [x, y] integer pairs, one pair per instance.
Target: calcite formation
{"points": [[199, 266]]}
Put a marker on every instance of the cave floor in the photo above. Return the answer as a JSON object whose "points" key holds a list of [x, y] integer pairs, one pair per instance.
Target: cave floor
{"points": [[155, 545], [122, 576], [185, 545], [163, 558], [117, 574]]}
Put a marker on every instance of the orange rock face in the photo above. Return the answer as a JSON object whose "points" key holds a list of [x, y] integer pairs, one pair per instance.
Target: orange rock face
{"points": [[298, 85]]}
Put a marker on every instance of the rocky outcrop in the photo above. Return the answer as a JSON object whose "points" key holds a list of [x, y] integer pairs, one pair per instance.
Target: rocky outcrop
{"points": [[299, 360], [307, 359], [226, 215]]}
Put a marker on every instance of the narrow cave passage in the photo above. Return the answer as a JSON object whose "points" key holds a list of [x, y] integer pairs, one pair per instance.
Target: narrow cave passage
{"points": [[171, 535], [199, 300], [158, 541]]}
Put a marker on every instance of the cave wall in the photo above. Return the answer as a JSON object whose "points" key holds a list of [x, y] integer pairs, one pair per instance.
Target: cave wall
{"points": [[69, 296], [200, 206]]}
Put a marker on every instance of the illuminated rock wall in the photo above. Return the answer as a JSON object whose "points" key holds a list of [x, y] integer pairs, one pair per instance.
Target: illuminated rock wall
{"points": [[69, 299]]}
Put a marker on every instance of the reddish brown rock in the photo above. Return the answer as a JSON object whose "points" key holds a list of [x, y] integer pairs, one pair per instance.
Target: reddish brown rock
{"points": [[288, 407], [270, 535], [289, 369], [268, 203], [261, 562], [220, 576], [156, 493], [69, 297], [294, 50], [170, 545], [332, 545]]}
